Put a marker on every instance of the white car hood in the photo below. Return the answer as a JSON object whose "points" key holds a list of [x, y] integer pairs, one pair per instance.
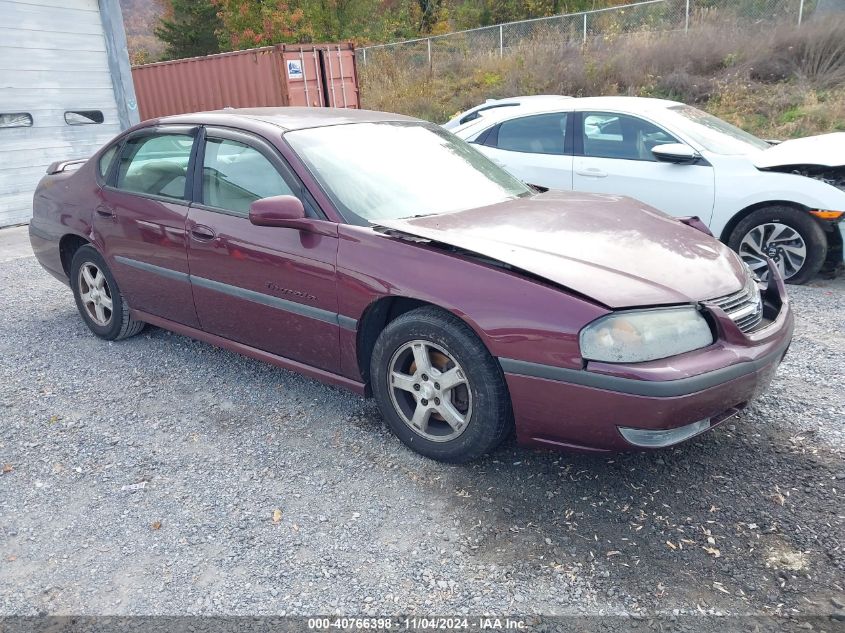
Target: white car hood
{"points": [[827, 150]]}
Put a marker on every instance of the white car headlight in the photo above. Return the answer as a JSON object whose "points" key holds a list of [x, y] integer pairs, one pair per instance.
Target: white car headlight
{"points": [[640, 335]]}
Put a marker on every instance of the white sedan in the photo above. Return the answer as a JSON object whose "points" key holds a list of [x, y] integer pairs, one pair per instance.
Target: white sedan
{"points": [[782, 201]]}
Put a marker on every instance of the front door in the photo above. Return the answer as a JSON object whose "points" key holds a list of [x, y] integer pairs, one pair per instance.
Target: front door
{"points": [[270, 288], [613, 155], [140, 222]]}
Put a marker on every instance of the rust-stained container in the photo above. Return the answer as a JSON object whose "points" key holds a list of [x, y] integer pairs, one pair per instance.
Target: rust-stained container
{"points": [[314, 75]]}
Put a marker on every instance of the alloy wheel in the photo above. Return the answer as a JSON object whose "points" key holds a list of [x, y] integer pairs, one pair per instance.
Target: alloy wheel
{"points": [[430, 391], [780, 242], [95, 294]]}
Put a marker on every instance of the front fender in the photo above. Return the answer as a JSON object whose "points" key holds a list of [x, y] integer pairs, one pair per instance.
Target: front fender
{"points": [[740, 186], [513, 315]]}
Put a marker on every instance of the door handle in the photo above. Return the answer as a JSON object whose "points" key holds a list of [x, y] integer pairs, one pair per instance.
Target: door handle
{"points": [[202, 233], [105, 212], [591, 172]]}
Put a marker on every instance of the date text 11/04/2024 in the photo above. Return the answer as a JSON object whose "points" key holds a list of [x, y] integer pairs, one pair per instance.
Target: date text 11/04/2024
{"points": [[416, 624]]}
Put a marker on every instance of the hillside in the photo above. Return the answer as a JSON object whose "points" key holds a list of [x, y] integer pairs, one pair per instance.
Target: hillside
{"points": [[259, 22], [140, 18], [778, 82]]}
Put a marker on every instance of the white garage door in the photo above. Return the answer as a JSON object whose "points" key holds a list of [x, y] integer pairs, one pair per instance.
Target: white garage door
{"points": [[56, 94]]}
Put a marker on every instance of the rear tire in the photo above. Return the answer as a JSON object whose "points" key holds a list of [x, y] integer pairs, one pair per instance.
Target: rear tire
{"points": [[98, 298], [439, 389], [791, 237]]}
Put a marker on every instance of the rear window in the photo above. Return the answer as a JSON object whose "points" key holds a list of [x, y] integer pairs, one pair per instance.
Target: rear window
{"points": [[15, 119]]}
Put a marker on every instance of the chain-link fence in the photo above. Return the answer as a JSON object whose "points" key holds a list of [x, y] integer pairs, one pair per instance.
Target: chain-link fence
{"points": [[651, 15]]}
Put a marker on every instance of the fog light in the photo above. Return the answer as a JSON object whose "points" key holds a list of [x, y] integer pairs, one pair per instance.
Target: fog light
{"points": [[647, 438]]}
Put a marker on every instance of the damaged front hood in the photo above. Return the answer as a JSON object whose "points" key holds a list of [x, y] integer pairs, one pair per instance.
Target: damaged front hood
{"points": [[612, 249], [827, 150]]}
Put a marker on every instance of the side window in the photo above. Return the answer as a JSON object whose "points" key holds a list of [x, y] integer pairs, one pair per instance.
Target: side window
{"points": [[106, 160], [539, 134], [608, 135], [155, 165], [235, 175]]}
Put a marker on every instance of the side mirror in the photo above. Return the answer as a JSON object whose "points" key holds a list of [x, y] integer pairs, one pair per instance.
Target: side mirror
{"points": [[286, 211], [677, 153]]}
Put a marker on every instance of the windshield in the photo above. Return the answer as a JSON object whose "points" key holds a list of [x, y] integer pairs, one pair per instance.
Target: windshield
{"points": [[715, 135], [386, 171]]}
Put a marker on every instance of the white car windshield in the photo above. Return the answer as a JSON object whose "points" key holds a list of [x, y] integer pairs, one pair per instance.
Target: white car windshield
{"points": [[715, 135], [400, 170]]}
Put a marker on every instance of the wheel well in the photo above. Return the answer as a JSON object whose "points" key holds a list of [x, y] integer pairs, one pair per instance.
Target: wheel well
{"points": [[739, 217], [68, 246], [374, 320]]}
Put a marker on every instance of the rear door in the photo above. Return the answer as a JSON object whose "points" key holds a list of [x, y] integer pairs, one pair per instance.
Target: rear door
{"points": [[140, 222], [613, 155], [537, 149], [270, 288]]}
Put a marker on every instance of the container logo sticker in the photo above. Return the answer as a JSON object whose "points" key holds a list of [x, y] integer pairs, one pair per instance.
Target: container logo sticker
{"points": [[295, 69]]}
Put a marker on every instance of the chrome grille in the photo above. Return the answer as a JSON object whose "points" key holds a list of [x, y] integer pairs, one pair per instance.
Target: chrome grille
{"points": [[745, 308]]}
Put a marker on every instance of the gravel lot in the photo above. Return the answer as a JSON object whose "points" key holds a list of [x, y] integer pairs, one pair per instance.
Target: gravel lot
{"points": [[265, 492]]}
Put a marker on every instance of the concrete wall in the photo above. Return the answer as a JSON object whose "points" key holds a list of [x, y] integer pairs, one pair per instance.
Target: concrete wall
{"points": [[57, 56]]}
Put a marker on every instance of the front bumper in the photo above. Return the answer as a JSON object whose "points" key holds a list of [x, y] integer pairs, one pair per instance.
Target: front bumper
{"points": [[584, 409], [842, 233]]}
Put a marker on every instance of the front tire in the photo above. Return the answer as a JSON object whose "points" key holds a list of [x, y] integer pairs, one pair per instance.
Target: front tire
{"points": [[98, 297], [439, 389], [789, 236]]}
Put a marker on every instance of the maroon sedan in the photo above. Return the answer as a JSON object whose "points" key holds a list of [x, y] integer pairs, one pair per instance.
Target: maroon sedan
{"points": [[382, 254]]}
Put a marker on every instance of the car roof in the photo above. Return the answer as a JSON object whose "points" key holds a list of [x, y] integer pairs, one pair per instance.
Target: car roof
{"points": [[508, 101], [522, 99], [287, 118], [633, 105]]}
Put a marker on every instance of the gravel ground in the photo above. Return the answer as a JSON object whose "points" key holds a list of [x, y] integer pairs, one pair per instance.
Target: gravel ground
{"points": [[161, 475]]}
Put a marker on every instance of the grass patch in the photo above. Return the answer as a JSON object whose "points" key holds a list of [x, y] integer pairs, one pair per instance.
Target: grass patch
{"points": [[780, 82]]}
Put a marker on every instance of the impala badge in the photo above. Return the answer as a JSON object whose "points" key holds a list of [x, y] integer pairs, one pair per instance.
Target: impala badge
{"points": [[287, 291]]}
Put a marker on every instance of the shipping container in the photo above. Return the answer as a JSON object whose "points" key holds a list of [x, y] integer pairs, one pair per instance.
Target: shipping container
{"points": [[313, 75]]}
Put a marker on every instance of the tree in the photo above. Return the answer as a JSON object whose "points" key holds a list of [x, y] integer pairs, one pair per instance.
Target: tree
{"points": [[190, 28], [429, 10], [248, 23]]}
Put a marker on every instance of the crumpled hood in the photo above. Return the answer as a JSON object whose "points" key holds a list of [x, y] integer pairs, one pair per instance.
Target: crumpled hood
{"points": [[612, 249], [827, 150]]}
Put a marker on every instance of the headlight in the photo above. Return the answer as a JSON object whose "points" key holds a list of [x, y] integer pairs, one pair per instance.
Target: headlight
{"points": [[640, 335]]}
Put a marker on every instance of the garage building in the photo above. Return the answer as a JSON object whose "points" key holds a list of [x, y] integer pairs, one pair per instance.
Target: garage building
{"points": [[65, 89]]}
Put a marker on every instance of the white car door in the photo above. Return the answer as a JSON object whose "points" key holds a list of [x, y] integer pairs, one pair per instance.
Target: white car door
{"points": [[613, 155], [533, 148]]}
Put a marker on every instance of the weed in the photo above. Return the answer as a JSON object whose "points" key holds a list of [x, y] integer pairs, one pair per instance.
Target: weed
{"points": [[778, 83]]}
